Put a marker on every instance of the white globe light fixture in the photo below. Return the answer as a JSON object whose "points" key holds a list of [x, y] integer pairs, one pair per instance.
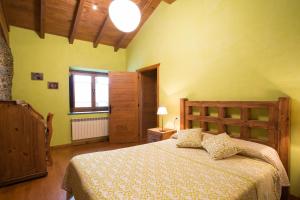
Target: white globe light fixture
{"points": [[125, 15]]}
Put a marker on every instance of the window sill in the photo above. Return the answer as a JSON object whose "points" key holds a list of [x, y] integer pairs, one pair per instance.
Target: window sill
{"points": [[85, 113]]}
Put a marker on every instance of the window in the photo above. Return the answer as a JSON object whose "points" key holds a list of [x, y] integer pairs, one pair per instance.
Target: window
{"points": [[88, 91]]}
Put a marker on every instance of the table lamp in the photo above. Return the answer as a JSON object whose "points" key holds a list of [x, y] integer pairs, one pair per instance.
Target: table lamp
{"points": [[162, 111]]}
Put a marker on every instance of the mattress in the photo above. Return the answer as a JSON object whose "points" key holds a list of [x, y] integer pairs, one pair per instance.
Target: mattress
{"points": [[162, 171]]}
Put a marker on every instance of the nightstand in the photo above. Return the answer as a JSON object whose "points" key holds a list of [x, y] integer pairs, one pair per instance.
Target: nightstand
{"points": [[154, 134]]}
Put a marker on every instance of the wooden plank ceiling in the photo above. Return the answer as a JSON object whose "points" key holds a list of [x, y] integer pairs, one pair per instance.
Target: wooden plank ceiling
{"points": [[74, 19]]}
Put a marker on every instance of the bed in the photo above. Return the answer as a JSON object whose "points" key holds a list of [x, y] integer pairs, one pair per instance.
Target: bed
{"points": [[162, 171]]}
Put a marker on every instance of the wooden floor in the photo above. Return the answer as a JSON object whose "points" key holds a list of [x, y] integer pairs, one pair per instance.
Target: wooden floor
{"points": [[49, 188]]}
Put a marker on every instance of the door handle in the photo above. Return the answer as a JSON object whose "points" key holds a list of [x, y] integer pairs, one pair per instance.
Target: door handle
{"points": [[109, 109]]}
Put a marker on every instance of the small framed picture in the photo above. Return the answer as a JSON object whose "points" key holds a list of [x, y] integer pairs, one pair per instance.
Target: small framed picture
{"points": [[53, 85], [36, 76]]}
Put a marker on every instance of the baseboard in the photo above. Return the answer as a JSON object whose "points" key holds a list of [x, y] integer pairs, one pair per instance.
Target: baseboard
{"points": [[90, 140], [80, 142], [61, 146]]}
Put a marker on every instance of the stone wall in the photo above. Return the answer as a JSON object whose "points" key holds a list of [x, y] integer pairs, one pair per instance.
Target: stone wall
{"points": [[6, 70]]}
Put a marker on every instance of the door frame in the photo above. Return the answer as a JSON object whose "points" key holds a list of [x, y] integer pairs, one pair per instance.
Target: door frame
{"points": [[140, 92]]}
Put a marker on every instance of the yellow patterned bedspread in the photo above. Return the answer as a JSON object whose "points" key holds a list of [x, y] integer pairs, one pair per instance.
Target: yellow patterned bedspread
{"points": [[162, 171]]}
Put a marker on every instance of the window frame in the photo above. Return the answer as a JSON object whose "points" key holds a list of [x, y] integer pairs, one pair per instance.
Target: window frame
{"points": [[93, 108]]}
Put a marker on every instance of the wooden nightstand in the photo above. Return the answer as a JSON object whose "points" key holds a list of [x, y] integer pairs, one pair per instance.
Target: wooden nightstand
{"points": [[155, 135]]}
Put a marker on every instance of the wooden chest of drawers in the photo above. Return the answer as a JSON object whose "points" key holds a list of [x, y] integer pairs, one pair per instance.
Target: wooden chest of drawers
{"points": [[154, 134], [22, 143]]}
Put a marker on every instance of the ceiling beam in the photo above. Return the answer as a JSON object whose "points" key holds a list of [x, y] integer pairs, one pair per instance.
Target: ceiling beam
{"points": [[144, 9], [169, 1], [3, 24], [42, 18], [76, 21], [119, 42], [99, 34]]}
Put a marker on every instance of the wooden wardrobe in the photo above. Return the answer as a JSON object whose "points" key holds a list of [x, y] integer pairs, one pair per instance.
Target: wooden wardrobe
{"points": [[22, 143]]}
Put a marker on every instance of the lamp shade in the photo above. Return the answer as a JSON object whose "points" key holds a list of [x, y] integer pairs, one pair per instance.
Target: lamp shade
{"points": [[162, 110], [125, 15]]}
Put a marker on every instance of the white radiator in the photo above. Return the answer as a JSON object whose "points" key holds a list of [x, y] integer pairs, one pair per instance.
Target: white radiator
{"points": [[89, 128]]}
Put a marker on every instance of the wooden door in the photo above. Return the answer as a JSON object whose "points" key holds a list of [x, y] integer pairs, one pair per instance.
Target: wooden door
{"points": [[123, 98]]}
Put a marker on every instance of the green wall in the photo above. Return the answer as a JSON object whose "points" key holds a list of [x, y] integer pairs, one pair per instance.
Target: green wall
{"points": [[225, 50], [53, 56]]}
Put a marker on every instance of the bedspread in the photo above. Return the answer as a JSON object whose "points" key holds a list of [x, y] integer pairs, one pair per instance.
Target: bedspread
{"points": [[162, 171]]}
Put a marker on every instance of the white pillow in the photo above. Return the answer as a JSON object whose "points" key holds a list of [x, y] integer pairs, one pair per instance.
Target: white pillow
{"points": [[262, 152], [205, 135], [265, 153], [175, 135]]}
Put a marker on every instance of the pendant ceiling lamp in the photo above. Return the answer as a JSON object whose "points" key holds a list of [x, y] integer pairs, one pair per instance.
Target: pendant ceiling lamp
{"points": [[125, 15]]}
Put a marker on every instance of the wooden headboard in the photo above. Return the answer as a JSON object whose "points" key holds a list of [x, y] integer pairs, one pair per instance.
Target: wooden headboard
{"points": [[277, 126]]}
